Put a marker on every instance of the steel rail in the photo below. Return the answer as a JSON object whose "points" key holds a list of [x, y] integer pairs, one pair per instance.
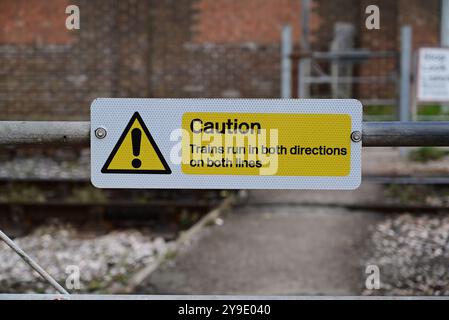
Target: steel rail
{"points": [[375, 134], [405, 134], [44, 132], [15, 296]]}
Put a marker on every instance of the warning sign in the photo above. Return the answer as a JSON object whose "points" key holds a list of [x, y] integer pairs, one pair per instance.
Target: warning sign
{"points": [[433, 75], [226, 143], [136, 152], [266, 144]]}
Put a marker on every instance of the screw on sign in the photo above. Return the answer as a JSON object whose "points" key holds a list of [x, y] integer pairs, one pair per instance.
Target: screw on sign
{"points": [[356, 136], [100, 133]]}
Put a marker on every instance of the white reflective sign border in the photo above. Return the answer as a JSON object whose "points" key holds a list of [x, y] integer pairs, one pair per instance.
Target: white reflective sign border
{"points": [[143, 145], [433, 75]]}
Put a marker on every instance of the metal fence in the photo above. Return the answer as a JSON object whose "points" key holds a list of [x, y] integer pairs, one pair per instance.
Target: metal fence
{"points": [[374, 134], [379, 79]]}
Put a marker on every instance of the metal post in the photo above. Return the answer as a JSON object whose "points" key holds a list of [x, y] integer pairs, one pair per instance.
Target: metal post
{"points": [[286, 67], [343, 41], [406, 52], [32, 263], [444, 36], [444, 23], [303, 78], [404, 95], [305, 9], [305, 61]]}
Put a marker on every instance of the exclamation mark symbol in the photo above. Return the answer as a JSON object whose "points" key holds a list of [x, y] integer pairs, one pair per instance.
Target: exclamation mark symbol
{"points": [[136, 136]]}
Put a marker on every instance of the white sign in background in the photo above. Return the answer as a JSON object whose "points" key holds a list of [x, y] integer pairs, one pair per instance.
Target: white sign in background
{"points": [[163, 117], [433, 75]]}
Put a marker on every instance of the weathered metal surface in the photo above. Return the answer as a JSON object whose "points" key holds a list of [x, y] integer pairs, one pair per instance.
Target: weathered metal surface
{"points": [[44, 132], [375, 134], [405, 134]]}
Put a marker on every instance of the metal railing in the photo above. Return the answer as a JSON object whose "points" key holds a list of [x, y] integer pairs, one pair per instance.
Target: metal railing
{"points": [[375, 134], [405, 134]]}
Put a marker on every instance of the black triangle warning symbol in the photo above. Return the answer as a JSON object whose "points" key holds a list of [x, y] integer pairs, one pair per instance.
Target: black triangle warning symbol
{"points": [[136, 151]]}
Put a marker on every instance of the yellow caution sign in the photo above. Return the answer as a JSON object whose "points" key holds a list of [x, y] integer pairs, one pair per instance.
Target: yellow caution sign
{"points": [[266, 144], [136, 152], [308, 144]]}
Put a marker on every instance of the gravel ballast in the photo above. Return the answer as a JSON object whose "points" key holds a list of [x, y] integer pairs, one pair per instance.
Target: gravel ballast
{"points": [[412, 253], [103, 260]]}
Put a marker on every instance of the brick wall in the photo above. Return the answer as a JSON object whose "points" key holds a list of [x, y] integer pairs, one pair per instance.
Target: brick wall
{"points": [[233, 21], [423, 16], [33, 21], [186, 63], [330, 12], [174, 48], [385, 39], [56, 73]]}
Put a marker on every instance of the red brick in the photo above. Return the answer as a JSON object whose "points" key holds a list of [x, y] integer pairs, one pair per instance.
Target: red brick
{"points": [[33, 21]]}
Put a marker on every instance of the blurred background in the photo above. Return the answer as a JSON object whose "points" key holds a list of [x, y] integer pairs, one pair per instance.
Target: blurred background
{"points": [[268, 242]]}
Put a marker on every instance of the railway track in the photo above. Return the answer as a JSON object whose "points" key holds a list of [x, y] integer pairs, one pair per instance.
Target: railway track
{"points": [[417, 180], [33, 201], [378, 207], [370, 178], [30, 202]]}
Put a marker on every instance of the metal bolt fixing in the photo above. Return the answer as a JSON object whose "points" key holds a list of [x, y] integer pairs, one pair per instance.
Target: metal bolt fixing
{"points": [[356, 136], [100, 133]]}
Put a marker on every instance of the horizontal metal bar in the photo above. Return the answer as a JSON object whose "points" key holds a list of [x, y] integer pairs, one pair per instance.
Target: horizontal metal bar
{"points": [[362, 80], [44, 132], [353, 54], [378, 102], [25, 296], [375, 134], [405, 134]]}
